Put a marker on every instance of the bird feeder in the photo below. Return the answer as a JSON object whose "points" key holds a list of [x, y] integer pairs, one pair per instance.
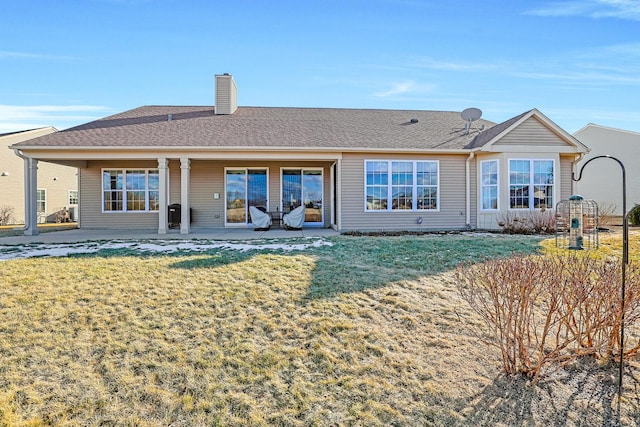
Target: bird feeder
{"points": [[577, 224]]}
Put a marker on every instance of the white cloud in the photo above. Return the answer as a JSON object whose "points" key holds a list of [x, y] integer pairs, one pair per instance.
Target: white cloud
{"points": [[397, 89], [621, 9], [407, 87], [19, 117], [432, 64]]}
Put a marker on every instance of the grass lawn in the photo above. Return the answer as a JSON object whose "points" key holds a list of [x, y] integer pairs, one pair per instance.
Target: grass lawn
{"points": [[370, 331]]}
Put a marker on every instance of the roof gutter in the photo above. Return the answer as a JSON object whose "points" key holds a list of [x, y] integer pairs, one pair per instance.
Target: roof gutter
{"points": [[182, 149]]}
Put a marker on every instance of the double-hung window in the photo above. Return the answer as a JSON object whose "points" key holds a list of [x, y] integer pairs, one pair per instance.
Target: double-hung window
{"points": [[133, 190], [531, 184], [41, 200], [401, 185], [489, 185]]}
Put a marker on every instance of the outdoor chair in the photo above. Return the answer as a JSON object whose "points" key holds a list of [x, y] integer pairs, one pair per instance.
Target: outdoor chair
{"points": [[260, 219], [294, 219]]}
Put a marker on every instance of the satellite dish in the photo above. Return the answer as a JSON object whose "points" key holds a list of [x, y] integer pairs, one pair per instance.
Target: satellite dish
{"points": [[471, 114]]}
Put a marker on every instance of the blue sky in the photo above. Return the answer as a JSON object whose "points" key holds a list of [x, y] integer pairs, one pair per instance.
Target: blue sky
{"points": [[64, 62]]}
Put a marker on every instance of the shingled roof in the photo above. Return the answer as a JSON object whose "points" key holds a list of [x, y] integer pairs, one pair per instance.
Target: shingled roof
{"points": [[268, 128]]}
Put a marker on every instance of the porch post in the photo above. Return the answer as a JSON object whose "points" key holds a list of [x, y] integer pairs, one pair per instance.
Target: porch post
{"points": [[185, 178], [332, 194], [30, 197], [162, 200]]}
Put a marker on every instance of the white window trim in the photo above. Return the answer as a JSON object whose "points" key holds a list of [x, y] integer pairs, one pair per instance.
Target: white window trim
{"points": [[124, 191], [497, 185], [531, 183], [77, 198], [414, 190], [45, 200]]}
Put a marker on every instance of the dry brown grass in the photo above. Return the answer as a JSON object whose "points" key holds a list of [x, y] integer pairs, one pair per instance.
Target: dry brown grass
{"points": [[371, 331]]}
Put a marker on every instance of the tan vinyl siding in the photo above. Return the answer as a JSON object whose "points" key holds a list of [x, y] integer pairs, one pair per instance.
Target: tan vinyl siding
{"points": [[566, 183], [91, 193], [206, 178], [452, 213], [174, 181], [12, 184], [530, 133]]}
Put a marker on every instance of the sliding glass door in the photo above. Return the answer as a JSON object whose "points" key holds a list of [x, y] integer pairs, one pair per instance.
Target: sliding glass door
{"points": [[303, 187], [244, 188]]}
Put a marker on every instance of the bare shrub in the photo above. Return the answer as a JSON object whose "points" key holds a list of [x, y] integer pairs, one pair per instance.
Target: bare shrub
{"points": [[528, 222], [6, 215], [542, 221], [546, 311], [607, 214]]}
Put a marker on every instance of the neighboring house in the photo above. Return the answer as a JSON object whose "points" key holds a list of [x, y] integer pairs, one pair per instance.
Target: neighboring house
{"points": [[602, 179], [354, 169], [56, 191]]}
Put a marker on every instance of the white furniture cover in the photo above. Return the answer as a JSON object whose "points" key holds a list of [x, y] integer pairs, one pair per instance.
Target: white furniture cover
{"points": [[260, 220], [295, 218]]}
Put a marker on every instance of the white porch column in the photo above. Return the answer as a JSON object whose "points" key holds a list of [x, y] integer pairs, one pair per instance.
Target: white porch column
{"points": [[30, 197], [185, 178], [163, 199], [332, 194]]}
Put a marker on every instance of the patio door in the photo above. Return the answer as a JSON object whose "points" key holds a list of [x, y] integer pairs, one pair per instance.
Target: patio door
{"points": [[244, 188], [304, 186]]}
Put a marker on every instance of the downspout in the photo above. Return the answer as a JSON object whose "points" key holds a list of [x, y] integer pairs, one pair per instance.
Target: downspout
{"points": [[27, 201], [468, 187], [573, 168]]}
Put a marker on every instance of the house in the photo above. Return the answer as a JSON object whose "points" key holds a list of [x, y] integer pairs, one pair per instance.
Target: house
{"points": [[602, 179], [353, 169], [56, 192]]}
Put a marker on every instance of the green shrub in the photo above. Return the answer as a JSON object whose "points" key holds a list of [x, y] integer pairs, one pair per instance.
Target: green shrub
{"points": [[634, 215]]}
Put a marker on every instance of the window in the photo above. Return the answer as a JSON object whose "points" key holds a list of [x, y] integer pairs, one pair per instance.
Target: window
{"points": [[401, 185], [304, 186], [531, 184], [72, 197], [377, 183], [489, 185], [41, 200], [245, 188], [130, 190]]}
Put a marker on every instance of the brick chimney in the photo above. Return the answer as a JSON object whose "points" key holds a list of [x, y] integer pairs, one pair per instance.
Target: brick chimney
{"points": [[226, 94]]}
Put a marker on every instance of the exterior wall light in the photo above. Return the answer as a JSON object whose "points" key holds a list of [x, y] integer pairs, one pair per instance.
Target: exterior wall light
{"points": [[4, 174]]}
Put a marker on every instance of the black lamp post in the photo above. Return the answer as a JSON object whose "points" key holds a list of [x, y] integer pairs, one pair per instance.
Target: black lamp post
{"points": [[625, 259]]}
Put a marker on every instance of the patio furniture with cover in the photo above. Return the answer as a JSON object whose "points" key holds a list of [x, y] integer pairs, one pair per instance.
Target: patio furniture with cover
{"points": [[294, 219], [261, 220]]}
